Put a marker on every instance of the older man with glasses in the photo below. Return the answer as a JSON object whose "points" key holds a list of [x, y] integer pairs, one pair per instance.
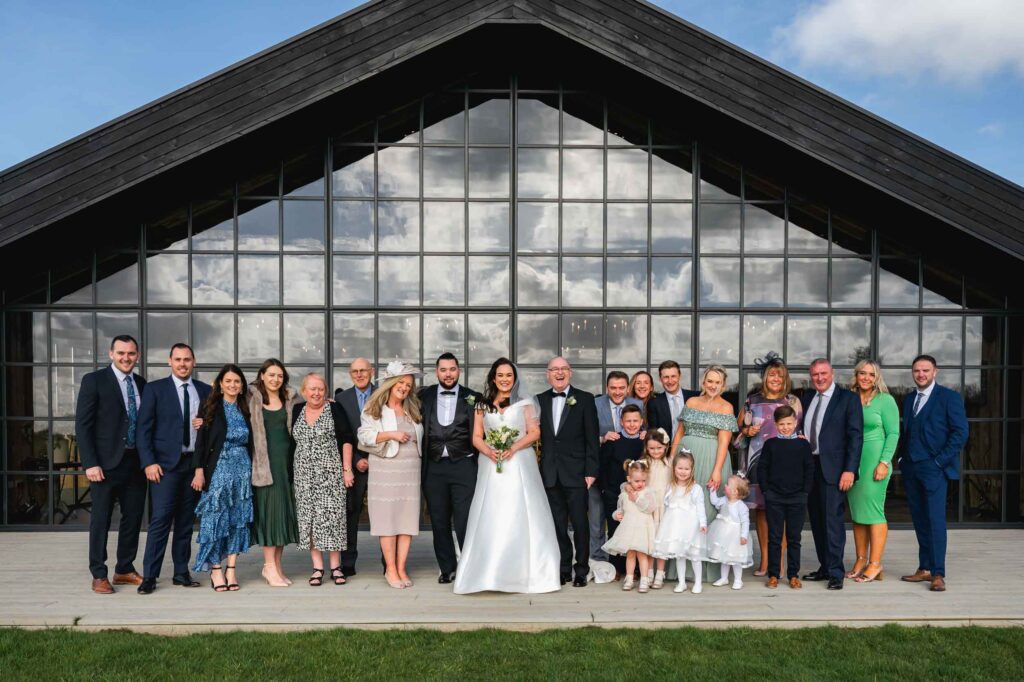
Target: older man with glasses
{"points": [[352, 400]]}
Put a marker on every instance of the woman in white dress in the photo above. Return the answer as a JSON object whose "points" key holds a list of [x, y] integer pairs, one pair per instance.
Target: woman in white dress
{"points": [[510, 539]]}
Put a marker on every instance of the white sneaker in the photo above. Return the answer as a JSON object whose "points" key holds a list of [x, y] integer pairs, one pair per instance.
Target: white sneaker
{"points": [[680, 586], [720, 582], [738, 585], [644, 585], [659, 580], [698, 588], [627, 584]]}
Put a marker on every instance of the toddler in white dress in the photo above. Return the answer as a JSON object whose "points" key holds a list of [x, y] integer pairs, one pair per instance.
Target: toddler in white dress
{"points": [[729, 534], [634, 537], [681, 533]]}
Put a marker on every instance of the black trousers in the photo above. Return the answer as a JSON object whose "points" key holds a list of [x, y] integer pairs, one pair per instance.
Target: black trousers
{"points": [[172, 505], [610, 499], [570, 504], [353, 511], [449, 486], [124, 485], [785, 514], [826, 506]]}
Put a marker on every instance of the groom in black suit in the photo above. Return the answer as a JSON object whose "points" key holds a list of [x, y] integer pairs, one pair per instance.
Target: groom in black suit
{"points": [[449, 462], [568, 464]]}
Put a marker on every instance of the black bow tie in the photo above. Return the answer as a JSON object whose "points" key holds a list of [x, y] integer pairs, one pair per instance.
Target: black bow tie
{"points": [[447, 392], [560, 395]]}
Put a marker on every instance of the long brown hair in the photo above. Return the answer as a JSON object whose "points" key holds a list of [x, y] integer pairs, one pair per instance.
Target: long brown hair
{"points": [[282, 392], [213, 403]]}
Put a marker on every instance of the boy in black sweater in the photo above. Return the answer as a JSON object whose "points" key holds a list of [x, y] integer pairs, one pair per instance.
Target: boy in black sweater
{"points": [[785, 473]]}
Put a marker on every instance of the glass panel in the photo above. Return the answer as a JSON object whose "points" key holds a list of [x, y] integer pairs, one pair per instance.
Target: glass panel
{"points": [[537, 121], [304, 226], [109, 325], [626, 338], [28, 392], [536, 338], [71, 281], [444, 280], [626, 127], [213, 280], [213, 335], [398, 172], [304, 280], [984, 343], [537, 173], [488, 280], [71, 505], [66, 381], [808, 282], [163, 330], [897, 339], [117, 279], [671, 174], [444, 172], [761, 333], [942, 289], [488, 337], [897, 283], [582, 281], [489, 173], [353, 226], [851, 283], [763, 281], [257, 226], [489, 227], [27, 501], [582, 174], [353, 337], [398, 338], [719, 339], [942, 337], [65, 453], [720, 281], [982, 390], [719, 228], [984, 448], [582, 338], [259, 337], [444, 118], [537, 281], [984, 293], [170, 231], [28, 445], [534, 378], [26, 337], [398, 280], [806, 339], [808, 229], [671, 282], [583, 228], [582, 120], [398, 225], [444, 225], [719, 179], [983, 498], [304, 174], [764, 228], [537, 228], [851, 339], [627, 282], [264, 182], [443, 333], [627, 173], [672, 228], [259, 280], [304, 337], [353, 172], [900, 382], [849, 237], [1015, 395], [627, 228], [400, 126], [489, 119], [71, 337]]}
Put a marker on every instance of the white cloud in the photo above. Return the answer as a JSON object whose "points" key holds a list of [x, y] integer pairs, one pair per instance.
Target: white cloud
{"points": [[955, 40], [995, 129]]}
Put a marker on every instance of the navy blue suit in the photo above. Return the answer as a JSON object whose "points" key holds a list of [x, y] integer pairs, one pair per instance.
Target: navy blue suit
{"points": [[930, 458], [172, 500], [840, 439]]}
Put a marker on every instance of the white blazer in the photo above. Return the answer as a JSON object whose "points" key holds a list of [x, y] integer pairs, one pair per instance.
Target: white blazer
{"points": [[370, 427]]}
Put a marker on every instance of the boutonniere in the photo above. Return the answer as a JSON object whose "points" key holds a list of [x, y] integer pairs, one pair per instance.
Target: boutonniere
{"points": [[570, 401], [471, 400]]}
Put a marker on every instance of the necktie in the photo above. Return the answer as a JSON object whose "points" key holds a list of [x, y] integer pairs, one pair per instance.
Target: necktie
{"points": [[361, 398], [133, 412], [186, 427], [618, 417], [812, 435], [447, 392], [917, 402], [560, 395]]}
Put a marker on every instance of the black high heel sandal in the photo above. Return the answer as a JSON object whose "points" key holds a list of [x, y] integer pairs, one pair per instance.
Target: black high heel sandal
{"points": [[338, 576], [217, 588], [232, 587], [316, 580]]}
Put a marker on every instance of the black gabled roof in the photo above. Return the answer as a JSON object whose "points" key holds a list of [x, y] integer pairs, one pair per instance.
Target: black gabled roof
{"points": [[327, 59]]}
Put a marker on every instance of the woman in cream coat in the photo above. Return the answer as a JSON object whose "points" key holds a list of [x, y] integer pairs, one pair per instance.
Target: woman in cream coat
{"points": [[391, 428]]}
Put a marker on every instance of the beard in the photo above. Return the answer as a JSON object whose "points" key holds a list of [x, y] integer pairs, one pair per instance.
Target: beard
{"points": [[448, 384]]}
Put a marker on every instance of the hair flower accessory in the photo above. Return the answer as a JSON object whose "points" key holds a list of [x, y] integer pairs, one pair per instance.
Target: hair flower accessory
{"points": [[770, 359], [663, 435], [397, 368]]}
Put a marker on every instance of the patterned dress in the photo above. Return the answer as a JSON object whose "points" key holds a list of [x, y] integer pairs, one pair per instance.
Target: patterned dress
{"points": [[225, 508], [761, 410], [320, 493]]}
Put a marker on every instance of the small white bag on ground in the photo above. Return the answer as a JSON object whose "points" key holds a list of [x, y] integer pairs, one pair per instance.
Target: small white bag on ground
{"points": [[601, 572]]}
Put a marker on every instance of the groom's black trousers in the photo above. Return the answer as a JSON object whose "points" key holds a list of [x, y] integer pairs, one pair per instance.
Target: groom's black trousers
{"points": [[449, 485], [570, 504]]}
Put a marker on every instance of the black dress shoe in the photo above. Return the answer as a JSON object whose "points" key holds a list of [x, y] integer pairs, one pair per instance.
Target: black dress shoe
{"points": [[566, 578], [445, 578], [147, 585], [835, 583], [185, 580], [579, 581], [816, 576]]}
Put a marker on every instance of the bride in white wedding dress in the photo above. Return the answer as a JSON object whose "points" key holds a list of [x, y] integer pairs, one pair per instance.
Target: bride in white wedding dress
{"points": [[510, 540]]}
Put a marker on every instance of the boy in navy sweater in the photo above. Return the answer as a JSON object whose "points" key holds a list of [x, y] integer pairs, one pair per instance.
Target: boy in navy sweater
{"points": [[786, 474]]}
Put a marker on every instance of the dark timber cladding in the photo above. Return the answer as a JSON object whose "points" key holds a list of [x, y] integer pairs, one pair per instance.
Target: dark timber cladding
{"points": [[329, 58]]}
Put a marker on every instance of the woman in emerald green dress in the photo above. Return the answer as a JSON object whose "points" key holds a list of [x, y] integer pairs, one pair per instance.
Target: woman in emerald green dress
{"points": [[274, 524], [867, 496]]}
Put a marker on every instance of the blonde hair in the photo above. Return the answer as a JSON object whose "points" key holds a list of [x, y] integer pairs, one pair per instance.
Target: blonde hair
{"points": [[709, 370], [787, 381], [742, 486], [683, 454], [376, 402], [880, 386], [307, 378], [631, 465]]}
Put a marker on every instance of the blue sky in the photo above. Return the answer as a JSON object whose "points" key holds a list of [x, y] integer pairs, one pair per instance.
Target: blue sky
{"points": [[950, 71]]}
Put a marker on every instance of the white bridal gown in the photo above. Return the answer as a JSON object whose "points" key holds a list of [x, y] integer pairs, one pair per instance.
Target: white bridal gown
{"points": [[510, 540]]}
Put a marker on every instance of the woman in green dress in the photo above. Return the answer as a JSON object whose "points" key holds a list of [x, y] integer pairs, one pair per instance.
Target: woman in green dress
{"points": [[867, 496], [274, 524], [706, 425]]}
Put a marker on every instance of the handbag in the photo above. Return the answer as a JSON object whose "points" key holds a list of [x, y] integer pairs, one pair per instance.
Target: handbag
{"points": [[378, 450]]}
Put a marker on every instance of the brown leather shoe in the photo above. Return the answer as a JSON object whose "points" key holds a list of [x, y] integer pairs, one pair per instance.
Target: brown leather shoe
{"points": [[918, 577], [102, 586], [132, 578], [938, 584], [772, 583], [795, 583]]}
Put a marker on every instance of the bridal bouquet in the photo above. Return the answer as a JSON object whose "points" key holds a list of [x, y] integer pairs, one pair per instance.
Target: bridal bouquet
{"points": [[501, 439]]}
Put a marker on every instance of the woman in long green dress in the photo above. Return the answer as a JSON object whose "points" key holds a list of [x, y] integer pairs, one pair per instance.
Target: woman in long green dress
{"points": [[274, 524], [706, 425], [867, 496]]}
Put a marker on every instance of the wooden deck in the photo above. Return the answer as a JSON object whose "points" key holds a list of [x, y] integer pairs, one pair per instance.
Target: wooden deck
{"points": [[44, 582]]}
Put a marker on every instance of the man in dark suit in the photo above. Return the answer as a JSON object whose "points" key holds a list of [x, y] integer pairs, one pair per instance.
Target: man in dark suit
{"points": [[934, 432], [106, 423], [834, 426], [449, 460], [569, 450], [352, 400], [166, 442], [663, 408]]}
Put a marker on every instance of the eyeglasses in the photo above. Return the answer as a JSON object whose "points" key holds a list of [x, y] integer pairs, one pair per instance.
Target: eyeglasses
{"points": [[559, 369], [359, 371]]}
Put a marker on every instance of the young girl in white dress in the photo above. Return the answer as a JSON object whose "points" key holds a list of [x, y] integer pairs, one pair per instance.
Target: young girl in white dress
{"points": [[659, 477], [681, 535], [729, 534], [635, 535]]}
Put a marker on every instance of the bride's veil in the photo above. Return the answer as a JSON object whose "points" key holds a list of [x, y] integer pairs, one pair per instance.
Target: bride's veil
{"points": [[520, 394]]}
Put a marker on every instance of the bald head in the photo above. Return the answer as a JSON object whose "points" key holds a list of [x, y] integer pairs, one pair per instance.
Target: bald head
{"points": [[559, 373], [361, 372]]}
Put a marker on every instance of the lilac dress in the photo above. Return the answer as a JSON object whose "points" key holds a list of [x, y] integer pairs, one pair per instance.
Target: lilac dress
{"points": [[756, 408]]}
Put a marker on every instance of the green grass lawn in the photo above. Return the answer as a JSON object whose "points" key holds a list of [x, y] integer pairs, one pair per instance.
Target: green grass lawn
{"points": [[583, 654]]}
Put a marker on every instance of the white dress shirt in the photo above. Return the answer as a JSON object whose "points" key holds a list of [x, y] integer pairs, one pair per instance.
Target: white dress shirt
{"points": [[557, 405], [121, 376], [925, 393], [446, 408], [193, 407], [817, 407]]}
